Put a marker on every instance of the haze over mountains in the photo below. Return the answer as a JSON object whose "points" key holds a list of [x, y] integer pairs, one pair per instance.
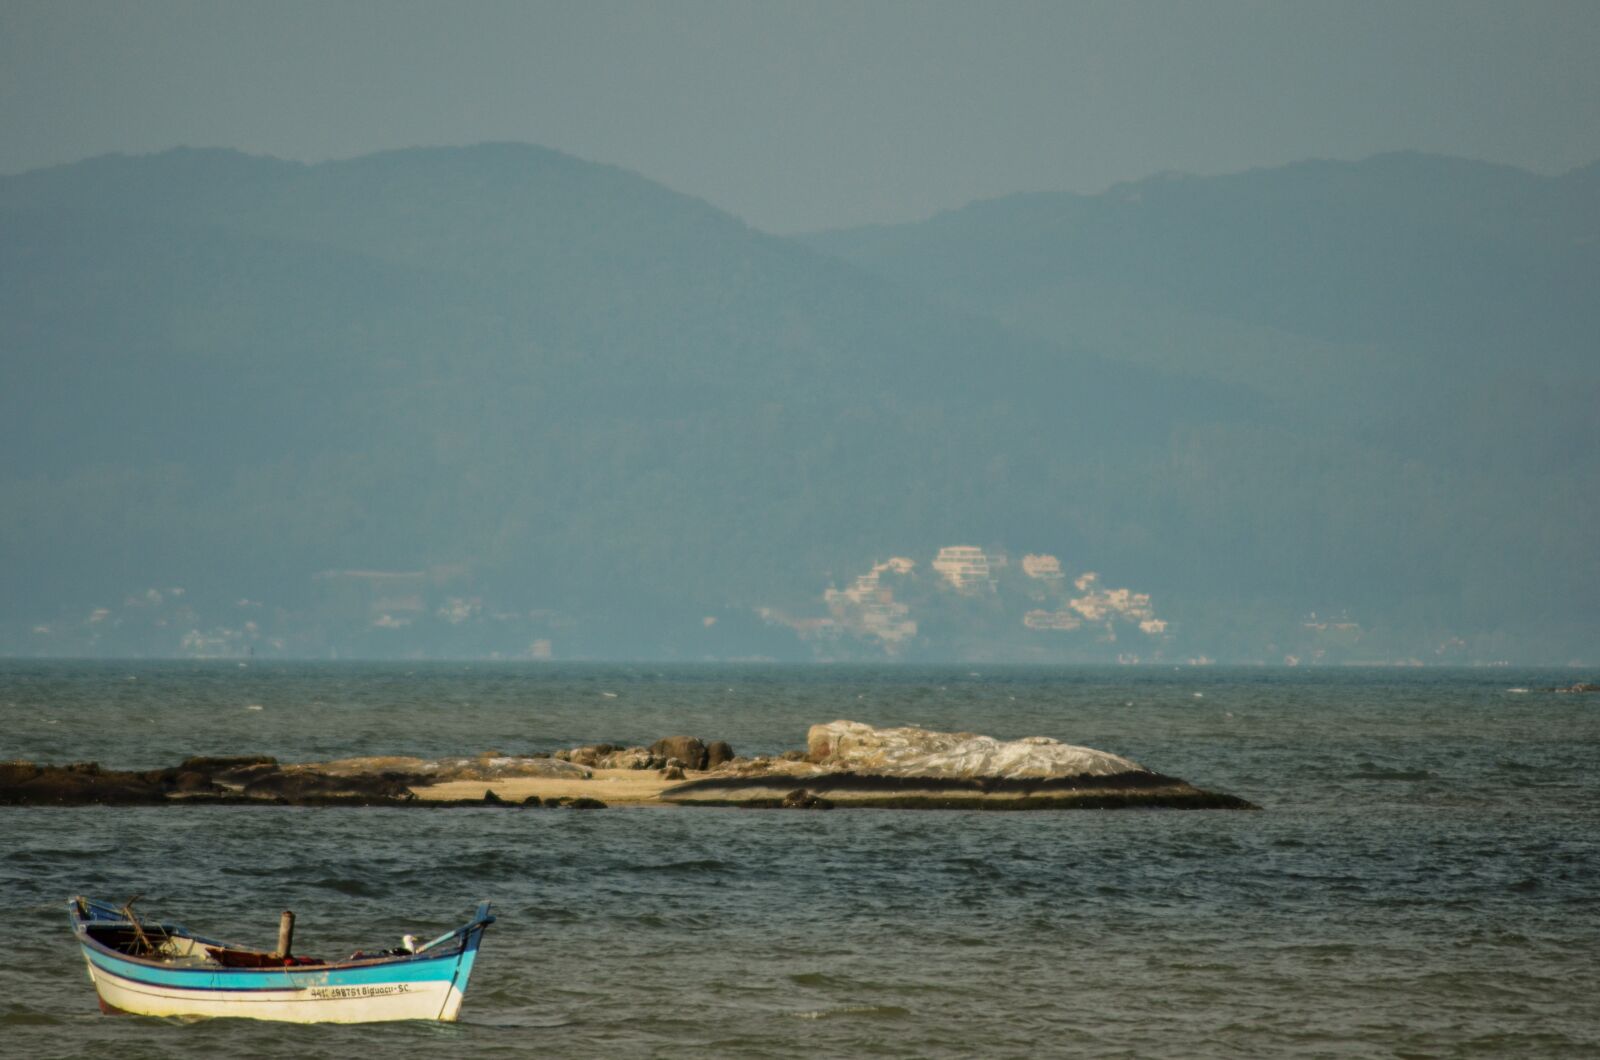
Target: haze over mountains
{"points": [[455, 402]]}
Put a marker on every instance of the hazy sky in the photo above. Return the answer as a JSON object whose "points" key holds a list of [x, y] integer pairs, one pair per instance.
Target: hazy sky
{"points": [[806, 115]]}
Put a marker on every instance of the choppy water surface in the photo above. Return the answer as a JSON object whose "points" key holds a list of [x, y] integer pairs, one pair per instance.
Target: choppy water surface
{"points": [[1424, 879]]}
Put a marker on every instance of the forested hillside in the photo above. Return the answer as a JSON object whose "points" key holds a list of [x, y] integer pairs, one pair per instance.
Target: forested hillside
{"points": [[498, 399]]}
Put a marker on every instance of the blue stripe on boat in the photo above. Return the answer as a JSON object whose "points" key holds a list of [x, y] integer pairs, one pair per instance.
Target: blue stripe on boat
{"points": [[418, 970]]}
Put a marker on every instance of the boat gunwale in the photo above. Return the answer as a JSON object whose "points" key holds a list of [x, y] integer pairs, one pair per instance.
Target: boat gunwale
{"points": [[457, 940]]}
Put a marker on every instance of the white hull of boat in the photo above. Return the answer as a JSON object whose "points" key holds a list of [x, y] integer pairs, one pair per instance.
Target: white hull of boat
{"points": [[369, 1003]]}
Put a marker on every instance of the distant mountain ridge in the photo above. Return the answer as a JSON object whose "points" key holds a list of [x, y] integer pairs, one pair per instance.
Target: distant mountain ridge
{"points": [[521, 399], [1375, 252]]}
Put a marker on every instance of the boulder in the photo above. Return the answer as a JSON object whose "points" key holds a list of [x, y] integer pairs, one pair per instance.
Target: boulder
{"points": [[589, 755], [848, 764], [718, 753], [686, 749], [910, 752], [630, 758], [672, 772]]}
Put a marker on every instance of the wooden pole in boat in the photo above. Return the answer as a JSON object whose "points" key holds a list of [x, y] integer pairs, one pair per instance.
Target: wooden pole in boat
{"points": [[141, 940], [285, 933]]}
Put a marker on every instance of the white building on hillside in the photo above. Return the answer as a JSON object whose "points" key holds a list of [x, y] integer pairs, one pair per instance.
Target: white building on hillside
{"points": [[1043, 567], [965, 567], [868, 608]]}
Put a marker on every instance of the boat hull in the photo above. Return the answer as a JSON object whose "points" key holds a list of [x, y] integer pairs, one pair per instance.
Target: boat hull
{"points": [[375, 1003]]}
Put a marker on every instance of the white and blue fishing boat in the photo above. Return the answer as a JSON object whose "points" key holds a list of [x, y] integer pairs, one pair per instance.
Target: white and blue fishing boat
{"points": [[161, 969]]}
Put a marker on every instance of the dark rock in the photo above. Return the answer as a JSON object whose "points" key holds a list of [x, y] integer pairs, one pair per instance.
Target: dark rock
{"points": [[531, 800], [491, 799], [686, 749], [719, 753], [585, 803], [14, 773], [295, 785], [213, 764], [801, 799], [1138, 788], [78, 784], [190, 782], [244, 775]]}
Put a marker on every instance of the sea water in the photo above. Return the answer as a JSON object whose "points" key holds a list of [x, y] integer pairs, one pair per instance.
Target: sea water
{"points": [[1423, 878]]}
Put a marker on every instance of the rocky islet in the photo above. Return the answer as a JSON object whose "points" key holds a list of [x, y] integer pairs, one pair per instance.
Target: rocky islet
{"points": [[845, 764]]}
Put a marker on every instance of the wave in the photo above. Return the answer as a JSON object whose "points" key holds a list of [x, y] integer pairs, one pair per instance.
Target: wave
{"points": [[354, 888], [854, 1012], [692, 867], [1393, 774]]}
